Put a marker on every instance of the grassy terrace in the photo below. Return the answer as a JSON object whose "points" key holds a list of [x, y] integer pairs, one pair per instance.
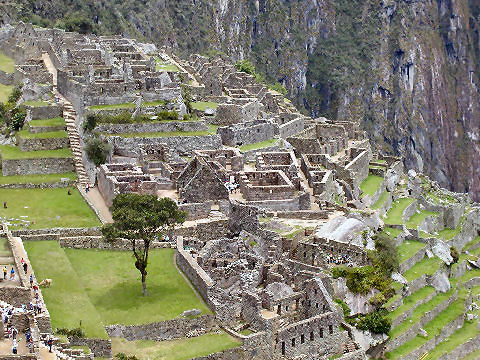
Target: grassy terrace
{"points": [[433, 328], [36, 179], [259, 145], [5, 91], [113, 106], [203, 105], [417, 218], [426, 266], [66, 296], [161, 65], [101, 287], [43, 135], [58, 121], [181, 349], [36, 103], [211, 131], [8, 152], [381, 200], [410, 301], [394, 215], [7, 64], [409, 248], [419, 311], [472, 243], [49, 208], [392, 232], [370, 185]]}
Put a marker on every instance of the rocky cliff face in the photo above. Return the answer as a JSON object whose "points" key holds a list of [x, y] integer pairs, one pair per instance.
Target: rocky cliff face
{"points": [[407, 69]]}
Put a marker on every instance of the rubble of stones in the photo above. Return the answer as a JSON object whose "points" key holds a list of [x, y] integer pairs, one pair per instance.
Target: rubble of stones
{"points": [[234, 247]]}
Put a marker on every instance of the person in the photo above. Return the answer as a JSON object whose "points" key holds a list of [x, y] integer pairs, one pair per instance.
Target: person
{"points": [[12, 274], [4, 204], [50, 343], [28, 335], [69, 192], [22, 261], [25, 267], [14, 333], [14, 347], [5, 273], [87, 188], [31, 280]]}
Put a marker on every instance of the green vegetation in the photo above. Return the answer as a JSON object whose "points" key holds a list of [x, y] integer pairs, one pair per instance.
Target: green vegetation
{"points": [[25, 134], [126, 118], [58, 121], [66, 299], [36, 179], [165, 66], [49, 208], [5, 92], [394, 214], [370, 185], [426, 266], [203, 105], [381, 200], [97, 150], [113, 106], [247, 67], [409, 248], [410, 301], [141, 217], [36, 103], [13, 152], [417, 218], [259, 145], [181, 349], [7, 64], [392, 232], [210, 131]]}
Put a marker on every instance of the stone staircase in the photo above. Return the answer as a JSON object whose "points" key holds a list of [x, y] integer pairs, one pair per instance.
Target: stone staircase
{"points": [[69, 114]]}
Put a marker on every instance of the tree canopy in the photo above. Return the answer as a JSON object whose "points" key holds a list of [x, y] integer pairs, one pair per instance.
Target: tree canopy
{"points": [[141, 219]]}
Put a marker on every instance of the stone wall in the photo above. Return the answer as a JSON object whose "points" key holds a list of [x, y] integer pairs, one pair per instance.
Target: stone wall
{"points": [[16, 296], [291, 128], [99, 347], [185, 145], [34, 144], [37, 166], [408, 313], [463, 350], [247, 133], [153, 127], [409, 211], [7, 79], [196, 210], [407, 264], [165, 330], [45, 112]]}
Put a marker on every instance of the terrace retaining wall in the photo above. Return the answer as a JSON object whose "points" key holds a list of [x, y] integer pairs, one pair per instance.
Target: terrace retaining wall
{"points": [[153, 127], [37, 166], [34, 144], [99, 347]]}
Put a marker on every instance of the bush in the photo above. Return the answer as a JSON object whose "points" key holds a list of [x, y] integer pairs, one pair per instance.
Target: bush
{"points": [[345, 307], [360, 279], [245, 66], [386, 256], [378, 300], [375, 322], [75, 332], [15, 95], [122, 356], [90, 122], [98, 150], [17, 119], [167, 115], [278, 88], [455, 254], [339, 271], [187, 98]]}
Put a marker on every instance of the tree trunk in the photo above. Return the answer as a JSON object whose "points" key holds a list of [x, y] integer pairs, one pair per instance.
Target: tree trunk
{"points": [[144, 284]]}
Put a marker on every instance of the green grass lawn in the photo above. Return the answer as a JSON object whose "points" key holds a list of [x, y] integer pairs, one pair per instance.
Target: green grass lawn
{"points": [[203, 105], [66, 299], [410, 301], [392, 232], [36, 179], [43, 135], [7, 64], [180, 349], [473, 356], [394, 214], [113, 106], [36, 103], [417, 218], [472, 243], [370, 185], [381, 200], [409, 248], [5, 91], [9, 152], [426, 266], [48, 207], [58, 121], [165, 66], [259, 145], [4, 248], [114, 288]]}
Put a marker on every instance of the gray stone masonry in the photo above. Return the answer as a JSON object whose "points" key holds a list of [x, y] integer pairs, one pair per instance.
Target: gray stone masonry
{"points": [[37, 166], [153, 127], [34, 144]]}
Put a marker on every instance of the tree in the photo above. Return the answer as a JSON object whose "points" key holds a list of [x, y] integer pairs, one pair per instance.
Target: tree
{"points": [[98, 150], [141, 219]]}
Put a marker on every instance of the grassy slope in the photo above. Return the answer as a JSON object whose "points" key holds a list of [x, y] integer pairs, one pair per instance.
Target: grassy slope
{"points": [[259, 145], [36, 103], [66, 300], [181, 349], [5, 91], [45, 205], [381, 200], [7, 64], [36, 179], [114, 287], [409, 248], [203, 105], [370, 185], [394, 214], [417, 218], [43, 135], [14, 152], [58, 121]]}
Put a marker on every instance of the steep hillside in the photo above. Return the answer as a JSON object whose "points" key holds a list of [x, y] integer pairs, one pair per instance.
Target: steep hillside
{"points": [[408, 69]]}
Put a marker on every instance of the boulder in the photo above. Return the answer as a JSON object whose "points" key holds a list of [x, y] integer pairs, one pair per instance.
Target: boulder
{"points": [[412, 173], [366, 339], [399, 278], [193, 312], [442, 250], [440, 282], [422, 332], [391, 179], [471, 317]]}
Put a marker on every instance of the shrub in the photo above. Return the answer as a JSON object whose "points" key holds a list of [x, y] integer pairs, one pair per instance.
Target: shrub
{"points": [[15, 95], [17, 119], [360, 279], [245, 66], [98, 150], [386, 256], [455, 254], [378, 300], [344, 306], [167, 115], [75, 332], [375, 322], [187, 98], [339, 271], [90, 122], [122, 356], [278, 88]]}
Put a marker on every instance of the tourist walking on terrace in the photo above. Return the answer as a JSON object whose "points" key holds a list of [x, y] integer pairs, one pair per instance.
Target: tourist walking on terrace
{"points": [[5, 273], [25, 267], [50, 343], [14, 347], [12, 274], [31, 280]]}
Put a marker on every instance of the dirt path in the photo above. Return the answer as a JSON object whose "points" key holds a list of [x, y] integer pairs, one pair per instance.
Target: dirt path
{"points": [[97, 200], [50, 67]]}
